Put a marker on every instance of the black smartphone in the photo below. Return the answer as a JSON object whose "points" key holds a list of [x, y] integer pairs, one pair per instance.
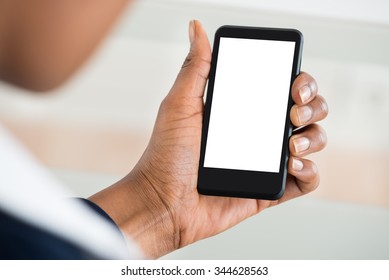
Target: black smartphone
{"points": [[246, 125]]}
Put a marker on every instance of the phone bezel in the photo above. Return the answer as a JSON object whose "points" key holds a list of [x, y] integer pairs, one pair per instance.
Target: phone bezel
{"points": [[245, 183]]}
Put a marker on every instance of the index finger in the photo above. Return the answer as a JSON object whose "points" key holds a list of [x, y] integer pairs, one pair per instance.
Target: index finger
{"points": [[304, 89]]}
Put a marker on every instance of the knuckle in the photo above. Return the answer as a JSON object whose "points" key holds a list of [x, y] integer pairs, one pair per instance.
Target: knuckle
{"points": [[313, 174], [313, 85], [187, 61], [163, 107], [197, 62], [319, 135], [315, 185], [322, 136], [323, 105]]}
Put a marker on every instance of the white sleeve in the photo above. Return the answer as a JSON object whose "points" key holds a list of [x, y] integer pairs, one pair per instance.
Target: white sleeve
{"points": [[29, 192]]}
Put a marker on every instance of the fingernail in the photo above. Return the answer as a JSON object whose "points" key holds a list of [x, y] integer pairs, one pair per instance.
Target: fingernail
{"points": [[305, 93], [297, 164], [301, 144], [304, 114], [192, 33]]}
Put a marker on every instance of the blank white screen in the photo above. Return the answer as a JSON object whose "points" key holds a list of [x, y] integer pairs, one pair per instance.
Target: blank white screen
{"points": [[249, 104]]}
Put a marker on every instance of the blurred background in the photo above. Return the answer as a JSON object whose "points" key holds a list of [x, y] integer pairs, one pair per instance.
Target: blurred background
{"points": [[92, 131]]}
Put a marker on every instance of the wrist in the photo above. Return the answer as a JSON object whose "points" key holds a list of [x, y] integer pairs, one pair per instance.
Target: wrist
{"points": [[140, 213]]}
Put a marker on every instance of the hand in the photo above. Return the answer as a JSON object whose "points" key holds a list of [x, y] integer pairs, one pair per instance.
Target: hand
{"points": [[158, 205]]}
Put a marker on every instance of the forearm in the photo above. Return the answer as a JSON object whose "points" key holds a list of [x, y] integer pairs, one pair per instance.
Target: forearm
{"points": [[139, 213]]}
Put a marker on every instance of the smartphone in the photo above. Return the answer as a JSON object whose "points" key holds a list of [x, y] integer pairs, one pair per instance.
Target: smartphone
{"points": [[246, 124]]}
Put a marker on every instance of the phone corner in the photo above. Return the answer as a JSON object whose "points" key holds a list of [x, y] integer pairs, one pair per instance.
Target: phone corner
{"points": [[279, 194], [298, 33]]}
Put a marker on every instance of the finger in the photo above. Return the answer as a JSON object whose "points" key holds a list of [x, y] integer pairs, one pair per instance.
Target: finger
{"points": [[304, 89], [314, 111], [302, 179], [312, 138], [193, 76]]}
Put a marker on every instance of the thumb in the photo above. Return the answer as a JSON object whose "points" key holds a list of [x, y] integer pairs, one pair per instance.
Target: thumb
{"points": [[193, 76]]}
